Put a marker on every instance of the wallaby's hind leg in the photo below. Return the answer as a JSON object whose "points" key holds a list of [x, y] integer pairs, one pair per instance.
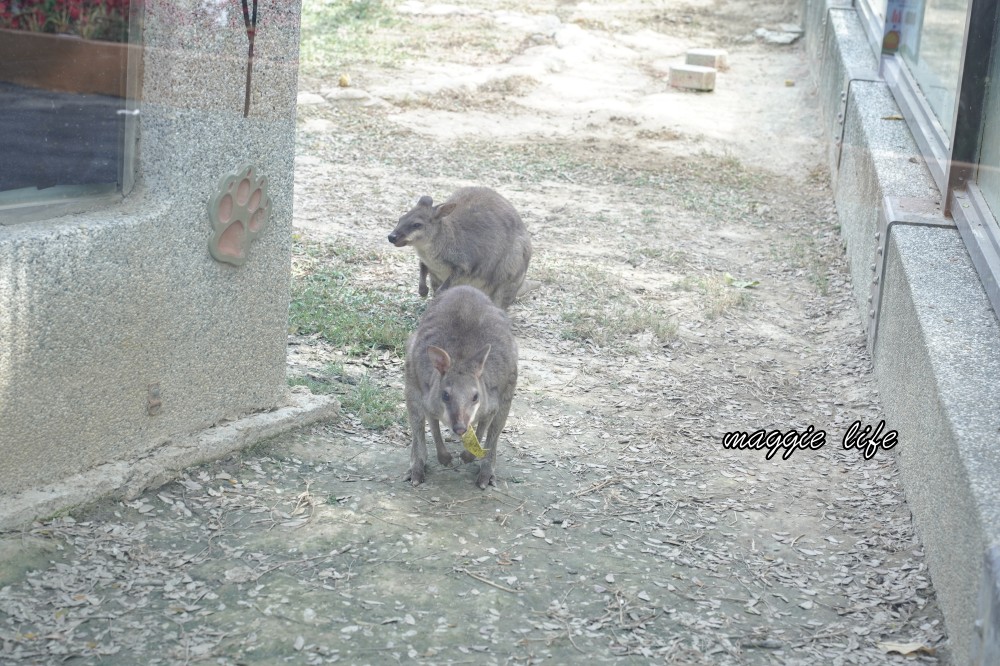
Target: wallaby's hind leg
{"points": [[510, 293], [418, 448], [440, 286], [528, 285], [504, 295]]}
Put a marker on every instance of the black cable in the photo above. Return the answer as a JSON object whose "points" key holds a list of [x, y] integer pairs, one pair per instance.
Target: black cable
{"points": [[251, 26]]}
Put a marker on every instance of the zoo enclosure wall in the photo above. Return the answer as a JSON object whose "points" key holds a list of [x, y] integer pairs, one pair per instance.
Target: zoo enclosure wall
{"points": [[908, 116], [119, 331]]}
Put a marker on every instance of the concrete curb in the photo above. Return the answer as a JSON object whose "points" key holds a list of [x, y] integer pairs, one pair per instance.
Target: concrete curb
{"points": [[937, 354], [129, 479]]}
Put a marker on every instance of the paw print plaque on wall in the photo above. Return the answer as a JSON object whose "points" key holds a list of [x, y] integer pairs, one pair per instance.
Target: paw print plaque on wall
{"points": [[239, 210]]}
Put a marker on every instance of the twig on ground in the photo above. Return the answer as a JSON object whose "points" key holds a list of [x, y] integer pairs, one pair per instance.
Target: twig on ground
{"points": [[482, 579]]}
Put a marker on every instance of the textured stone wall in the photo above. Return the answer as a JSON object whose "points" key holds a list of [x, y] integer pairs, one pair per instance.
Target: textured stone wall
{"points": [[104, 313]]}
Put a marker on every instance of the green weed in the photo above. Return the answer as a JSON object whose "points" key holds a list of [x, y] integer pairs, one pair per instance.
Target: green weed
{"points": [[376, 406], [721, 295], [613, 323], [358, 317], [337, 33]]}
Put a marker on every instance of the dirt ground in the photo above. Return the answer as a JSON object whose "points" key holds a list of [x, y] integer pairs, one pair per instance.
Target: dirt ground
{"points": [[691, 283]]}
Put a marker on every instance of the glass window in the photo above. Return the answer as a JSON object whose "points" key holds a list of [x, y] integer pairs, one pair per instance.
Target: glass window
{"points": [[988, 176], [63, 110], [933, 51], [872, 15]]}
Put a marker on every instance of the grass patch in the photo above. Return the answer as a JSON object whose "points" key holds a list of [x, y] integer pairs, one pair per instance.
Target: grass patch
{"points": [[336, 33], [315, 386], [337, 296], [489, 95], [674, 259], [600, 309], [612, 323], [720, 295], [516, 85], [715, 188], [377, 407], [357, 316], [639, 256], [804, 254]]}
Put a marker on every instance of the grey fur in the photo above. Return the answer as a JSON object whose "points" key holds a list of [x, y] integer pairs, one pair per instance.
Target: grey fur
{"points": [[476, 237], [463, 346]]}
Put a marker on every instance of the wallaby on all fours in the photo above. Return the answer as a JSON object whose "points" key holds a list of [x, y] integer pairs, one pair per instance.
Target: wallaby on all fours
{"points": [[476, 237], [461, 362]]}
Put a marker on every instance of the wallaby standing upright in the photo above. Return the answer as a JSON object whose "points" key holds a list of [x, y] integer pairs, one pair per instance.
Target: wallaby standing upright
{"points": [[475, 237], [461, 368]]}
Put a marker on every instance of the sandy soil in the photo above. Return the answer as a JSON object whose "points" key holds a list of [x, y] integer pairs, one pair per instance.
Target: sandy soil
{"points": [[691, 283]]}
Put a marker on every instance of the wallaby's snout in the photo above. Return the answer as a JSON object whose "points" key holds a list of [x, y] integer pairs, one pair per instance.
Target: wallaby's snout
{"points": [[410, 227], [400, 236], [460, 386], [461, 411]]}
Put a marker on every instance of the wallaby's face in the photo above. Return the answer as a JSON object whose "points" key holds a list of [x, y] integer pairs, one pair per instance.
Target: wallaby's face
{"points": [[461, 386], [415, 225]]}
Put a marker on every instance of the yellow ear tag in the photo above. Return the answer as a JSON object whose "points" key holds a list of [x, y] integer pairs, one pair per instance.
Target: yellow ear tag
{"points": [[471, 443]]}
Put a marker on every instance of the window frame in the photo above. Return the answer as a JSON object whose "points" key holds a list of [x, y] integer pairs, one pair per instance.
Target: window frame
{"points": [[871, 22], [953, 158], [963, 199], [68, 200]]}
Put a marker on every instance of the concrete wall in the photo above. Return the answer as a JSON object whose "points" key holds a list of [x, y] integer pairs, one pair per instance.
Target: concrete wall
{"points": [[937, 357], [96, 307], [937, 354]]}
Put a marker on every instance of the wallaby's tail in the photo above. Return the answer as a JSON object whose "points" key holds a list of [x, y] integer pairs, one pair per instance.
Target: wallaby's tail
{"points": [[528, 285]]}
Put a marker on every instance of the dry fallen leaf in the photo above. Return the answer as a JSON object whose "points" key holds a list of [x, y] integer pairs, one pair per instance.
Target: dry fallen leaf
{"points": [[906, 649], [627, 366]]}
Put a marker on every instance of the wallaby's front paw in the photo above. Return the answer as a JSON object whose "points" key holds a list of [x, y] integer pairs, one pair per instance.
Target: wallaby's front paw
{"points": [[445, 459], [423, 290], [416, 474], [467, 457], [486, 477]]}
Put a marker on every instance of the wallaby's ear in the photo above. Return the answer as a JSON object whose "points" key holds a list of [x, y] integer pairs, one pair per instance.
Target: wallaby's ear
{"points": [[439, 358], [444, 210], [479, 360], [425, 201]]}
